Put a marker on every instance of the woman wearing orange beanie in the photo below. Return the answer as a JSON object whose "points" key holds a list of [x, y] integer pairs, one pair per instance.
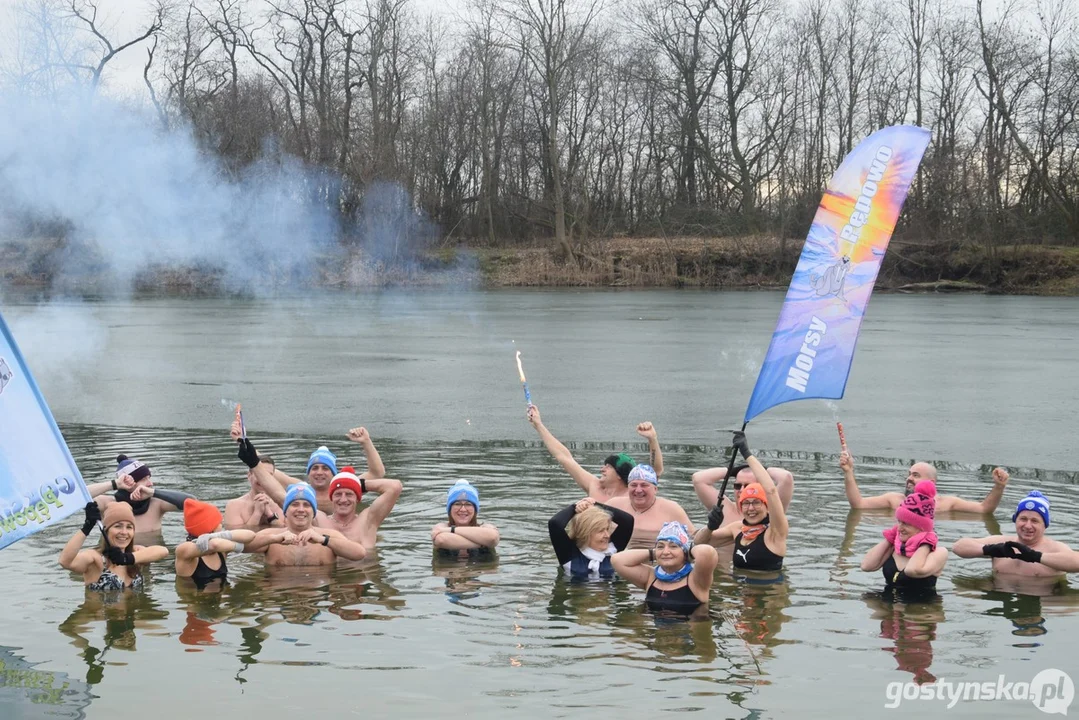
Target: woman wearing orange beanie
{"points": [[760, 539], [202, 557], [113, 564], [908, 555]]}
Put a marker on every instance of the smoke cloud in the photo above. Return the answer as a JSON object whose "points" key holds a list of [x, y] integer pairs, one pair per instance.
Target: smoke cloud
{"points": [[112, 179]]}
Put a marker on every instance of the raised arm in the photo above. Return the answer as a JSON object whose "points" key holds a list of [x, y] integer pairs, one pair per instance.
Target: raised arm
{"points": [[623, 521], [586, 480], [704, 484], [101, 488], [705, 558], [991, 501], [777, 516], [70, 557], [655, 455], [564, 547], [388, 491], [175, 498], [854, 495], [375, 468], [634, 565]]}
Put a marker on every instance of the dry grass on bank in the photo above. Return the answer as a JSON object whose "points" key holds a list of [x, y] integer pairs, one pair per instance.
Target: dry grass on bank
{"points": [[754, 261]]}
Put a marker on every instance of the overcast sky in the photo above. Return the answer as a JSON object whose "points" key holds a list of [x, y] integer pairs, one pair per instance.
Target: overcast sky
{"points": [[121, 20]]}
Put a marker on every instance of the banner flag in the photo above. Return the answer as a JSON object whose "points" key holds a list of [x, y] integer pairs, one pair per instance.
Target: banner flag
{"points": [[39, 483], [813, 344]]}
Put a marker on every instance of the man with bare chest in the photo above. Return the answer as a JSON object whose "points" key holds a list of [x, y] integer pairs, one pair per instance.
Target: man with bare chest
{"points": [[299, 543], [345, 491], [1028, 553], [134, 486], [650, 512]]}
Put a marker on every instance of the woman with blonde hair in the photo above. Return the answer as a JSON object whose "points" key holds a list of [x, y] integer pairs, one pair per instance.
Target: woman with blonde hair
{"points": [[586, 534], [114, 563]]}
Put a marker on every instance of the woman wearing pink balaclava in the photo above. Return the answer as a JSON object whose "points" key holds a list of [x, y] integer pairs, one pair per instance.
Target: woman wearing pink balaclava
{"points": [[908, 556]]}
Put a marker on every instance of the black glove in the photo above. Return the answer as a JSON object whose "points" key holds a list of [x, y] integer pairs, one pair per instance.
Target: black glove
{"points": [[899, 579], [1023, 552], [93, 516], [247, 453], [715, 516], [117, 556], [741, 443], [1000, 550]]}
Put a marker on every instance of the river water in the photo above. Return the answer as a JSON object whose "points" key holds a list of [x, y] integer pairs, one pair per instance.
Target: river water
{"points": [[967, 382]]}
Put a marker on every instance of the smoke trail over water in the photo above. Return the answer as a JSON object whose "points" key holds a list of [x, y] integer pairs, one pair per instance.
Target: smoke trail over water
{"points": [[112, 179]]}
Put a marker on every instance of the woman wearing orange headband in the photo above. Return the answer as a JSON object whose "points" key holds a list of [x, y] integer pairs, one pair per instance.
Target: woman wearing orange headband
{"points": [[760, 539]]}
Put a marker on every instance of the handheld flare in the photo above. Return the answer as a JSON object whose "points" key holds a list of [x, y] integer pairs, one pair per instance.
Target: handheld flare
{"points": [[524, 383]]}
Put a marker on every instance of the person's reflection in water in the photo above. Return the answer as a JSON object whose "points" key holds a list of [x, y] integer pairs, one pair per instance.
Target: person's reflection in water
{"points": [[911, 622], [122, 614], [1025, 614], [1027, 604], [587, 603], [688, 640], [461, 574], [205, 607], [363, 584], [760, 615]]}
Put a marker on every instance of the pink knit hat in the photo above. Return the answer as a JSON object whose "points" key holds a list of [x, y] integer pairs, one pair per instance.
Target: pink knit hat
{"points": [[919, 507]]}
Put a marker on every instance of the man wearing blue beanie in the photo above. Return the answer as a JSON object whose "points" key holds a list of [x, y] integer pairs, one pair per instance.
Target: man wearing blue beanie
{"points": [[1028, 553], [300, 543]]}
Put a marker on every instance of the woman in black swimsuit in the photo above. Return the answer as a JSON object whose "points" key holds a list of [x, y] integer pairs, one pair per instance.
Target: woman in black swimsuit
{"points": [[202, 557], [760, 539], [682, 576], [909, 556]]}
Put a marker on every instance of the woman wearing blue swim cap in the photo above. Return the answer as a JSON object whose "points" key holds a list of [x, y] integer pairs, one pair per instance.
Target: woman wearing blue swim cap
{"points": [[681, 577]]}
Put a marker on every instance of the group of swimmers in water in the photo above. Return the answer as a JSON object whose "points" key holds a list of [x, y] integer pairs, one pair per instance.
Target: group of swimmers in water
{"points": [[620, 528]]}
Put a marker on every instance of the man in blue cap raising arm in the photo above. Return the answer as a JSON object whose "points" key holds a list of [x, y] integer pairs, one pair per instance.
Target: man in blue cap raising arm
{"points": [[1028, 553]]}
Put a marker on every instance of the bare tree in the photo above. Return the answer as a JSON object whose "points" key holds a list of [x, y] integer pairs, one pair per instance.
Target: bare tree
{"points": [[86, 13], [554, 37]]}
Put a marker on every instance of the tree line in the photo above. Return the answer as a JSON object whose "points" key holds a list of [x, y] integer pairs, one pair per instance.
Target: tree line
{"points": [[568, 120]]}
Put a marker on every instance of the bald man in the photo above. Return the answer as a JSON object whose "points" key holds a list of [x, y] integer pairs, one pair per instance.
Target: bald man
{"points": [[920, 471]]}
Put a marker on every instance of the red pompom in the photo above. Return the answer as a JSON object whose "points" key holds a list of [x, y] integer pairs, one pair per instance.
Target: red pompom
{"points": [[927, 488]]}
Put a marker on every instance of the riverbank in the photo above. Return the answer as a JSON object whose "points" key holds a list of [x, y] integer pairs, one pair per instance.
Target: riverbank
{"points": [[717, 263], [732, 263]]}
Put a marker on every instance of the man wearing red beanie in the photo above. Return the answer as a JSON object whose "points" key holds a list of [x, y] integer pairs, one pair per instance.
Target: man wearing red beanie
{"points": [[345, 491]]}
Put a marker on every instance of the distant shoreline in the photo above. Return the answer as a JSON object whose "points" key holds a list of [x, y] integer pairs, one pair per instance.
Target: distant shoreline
{"points": [[756, 262]]}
